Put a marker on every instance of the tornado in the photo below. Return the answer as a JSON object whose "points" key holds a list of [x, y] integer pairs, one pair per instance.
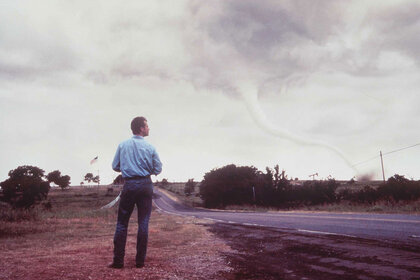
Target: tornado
{"points": [[249, 93]]}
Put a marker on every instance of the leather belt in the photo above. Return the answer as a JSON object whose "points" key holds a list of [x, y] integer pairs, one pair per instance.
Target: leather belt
{"points": [[137, 177]]}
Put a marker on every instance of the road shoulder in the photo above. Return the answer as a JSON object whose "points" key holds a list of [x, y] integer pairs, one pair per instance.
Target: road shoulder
{"points": [[266, 253]]}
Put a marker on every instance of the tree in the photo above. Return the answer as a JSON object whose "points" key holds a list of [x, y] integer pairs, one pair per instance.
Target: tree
{"points": [[229, 185], [25, 186], [89, 177], [56, 178], [64, 182], [189, 187], [96, 179]]}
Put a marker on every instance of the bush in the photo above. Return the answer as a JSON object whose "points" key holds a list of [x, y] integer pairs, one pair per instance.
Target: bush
{"points": [[311, 193], [25, 186], [366, 195]]}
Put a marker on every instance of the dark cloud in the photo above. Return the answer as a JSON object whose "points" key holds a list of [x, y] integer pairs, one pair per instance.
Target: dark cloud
{"points": [[256, 29], [32, 63], [267, 39], [397, 29], [280, 43]]}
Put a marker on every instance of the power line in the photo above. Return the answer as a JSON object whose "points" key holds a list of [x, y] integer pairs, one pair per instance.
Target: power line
{"points": [[401, 149], [387, 153], [365, 161]]}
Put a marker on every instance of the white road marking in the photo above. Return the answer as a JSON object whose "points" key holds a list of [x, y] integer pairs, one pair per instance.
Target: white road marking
{"points": [[325, 233], [250, 224]]}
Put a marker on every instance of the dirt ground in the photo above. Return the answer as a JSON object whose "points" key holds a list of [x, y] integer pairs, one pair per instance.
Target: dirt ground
{"points": [[75, 241], [265, 253]]}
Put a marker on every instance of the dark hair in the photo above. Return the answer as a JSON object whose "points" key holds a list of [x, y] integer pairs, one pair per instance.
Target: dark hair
{"points": [[137, 123]]}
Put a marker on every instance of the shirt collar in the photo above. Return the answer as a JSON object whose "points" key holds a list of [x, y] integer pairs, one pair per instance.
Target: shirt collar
{"points": [[138, 137]]}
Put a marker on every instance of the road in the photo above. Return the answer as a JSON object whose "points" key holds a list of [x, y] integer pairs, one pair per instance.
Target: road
{"points": [[390, 227]]}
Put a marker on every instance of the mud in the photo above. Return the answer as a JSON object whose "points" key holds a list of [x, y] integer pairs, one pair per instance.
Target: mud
{"points": [[268, 253]]}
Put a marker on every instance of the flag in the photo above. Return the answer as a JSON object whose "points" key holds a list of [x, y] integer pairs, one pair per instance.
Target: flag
{"points": [[94, 160]]}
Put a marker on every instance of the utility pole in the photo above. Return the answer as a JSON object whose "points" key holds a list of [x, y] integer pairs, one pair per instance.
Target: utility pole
{"points": [[255, 200], [382, 164]]}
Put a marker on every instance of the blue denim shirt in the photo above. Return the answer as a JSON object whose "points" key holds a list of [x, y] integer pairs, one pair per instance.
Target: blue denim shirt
{"points": [[136, 157]]}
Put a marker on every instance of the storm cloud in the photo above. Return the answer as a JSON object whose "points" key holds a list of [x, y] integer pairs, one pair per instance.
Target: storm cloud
{"points": [[339, 72]]}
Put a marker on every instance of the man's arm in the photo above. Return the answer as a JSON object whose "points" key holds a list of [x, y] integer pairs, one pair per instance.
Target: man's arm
{"points": [[116, 161], [157, 164]]}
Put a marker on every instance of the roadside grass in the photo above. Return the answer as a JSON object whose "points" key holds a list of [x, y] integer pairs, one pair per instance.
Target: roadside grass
{"points": [[74, 240], [412, 207], [401, 207], [177, 191]]}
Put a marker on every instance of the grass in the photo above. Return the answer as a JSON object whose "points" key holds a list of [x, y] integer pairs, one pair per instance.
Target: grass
{"points": [[344, 206], [74, 240], [177, 189]]}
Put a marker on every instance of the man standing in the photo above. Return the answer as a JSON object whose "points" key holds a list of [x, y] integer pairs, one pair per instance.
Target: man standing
{"points": [[136, 160]]}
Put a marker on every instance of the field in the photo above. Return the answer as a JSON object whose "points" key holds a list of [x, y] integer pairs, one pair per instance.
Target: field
{"points": [[74, 240]]}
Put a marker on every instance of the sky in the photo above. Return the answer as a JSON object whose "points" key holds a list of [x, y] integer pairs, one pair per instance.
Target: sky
{"points": [[313, 86]]}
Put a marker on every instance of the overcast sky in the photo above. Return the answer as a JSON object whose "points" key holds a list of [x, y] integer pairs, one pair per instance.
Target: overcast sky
{"points": [[313, 86]]}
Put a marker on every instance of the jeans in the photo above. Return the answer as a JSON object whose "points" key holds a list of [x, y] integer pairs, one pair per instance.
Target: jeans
{"points": [[135, 192]]}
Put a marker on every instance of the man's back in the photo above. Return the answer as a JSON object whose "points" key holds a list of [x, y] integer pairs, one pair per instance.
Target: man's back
{"points": [[136, 157]]}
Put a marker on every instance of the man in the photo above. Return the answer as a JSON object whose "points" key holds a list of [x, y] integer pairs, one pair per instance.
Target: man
{"points": [[136, 160]]}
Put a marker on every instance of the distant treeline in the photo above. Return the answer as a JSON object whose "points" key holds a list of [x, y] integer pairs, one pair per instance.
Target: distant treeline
{"points": [[241, 185]]}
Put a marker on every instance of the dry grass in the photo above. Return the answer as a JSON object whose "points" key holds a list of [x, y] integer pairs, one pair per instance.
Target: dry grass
{"points": [[176, 192], [74, 241], [412, 207]]}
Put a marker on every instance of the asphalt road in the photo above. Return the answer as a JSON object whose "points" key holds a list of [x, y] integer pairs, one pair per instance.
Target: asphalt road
{"points": [[390, 227]]}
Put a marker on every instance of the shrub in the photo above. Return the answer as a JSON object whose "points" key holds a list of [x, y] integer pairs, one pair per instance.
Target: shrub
{"points": [[365, 195], [399, 188], [311, 193]]}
